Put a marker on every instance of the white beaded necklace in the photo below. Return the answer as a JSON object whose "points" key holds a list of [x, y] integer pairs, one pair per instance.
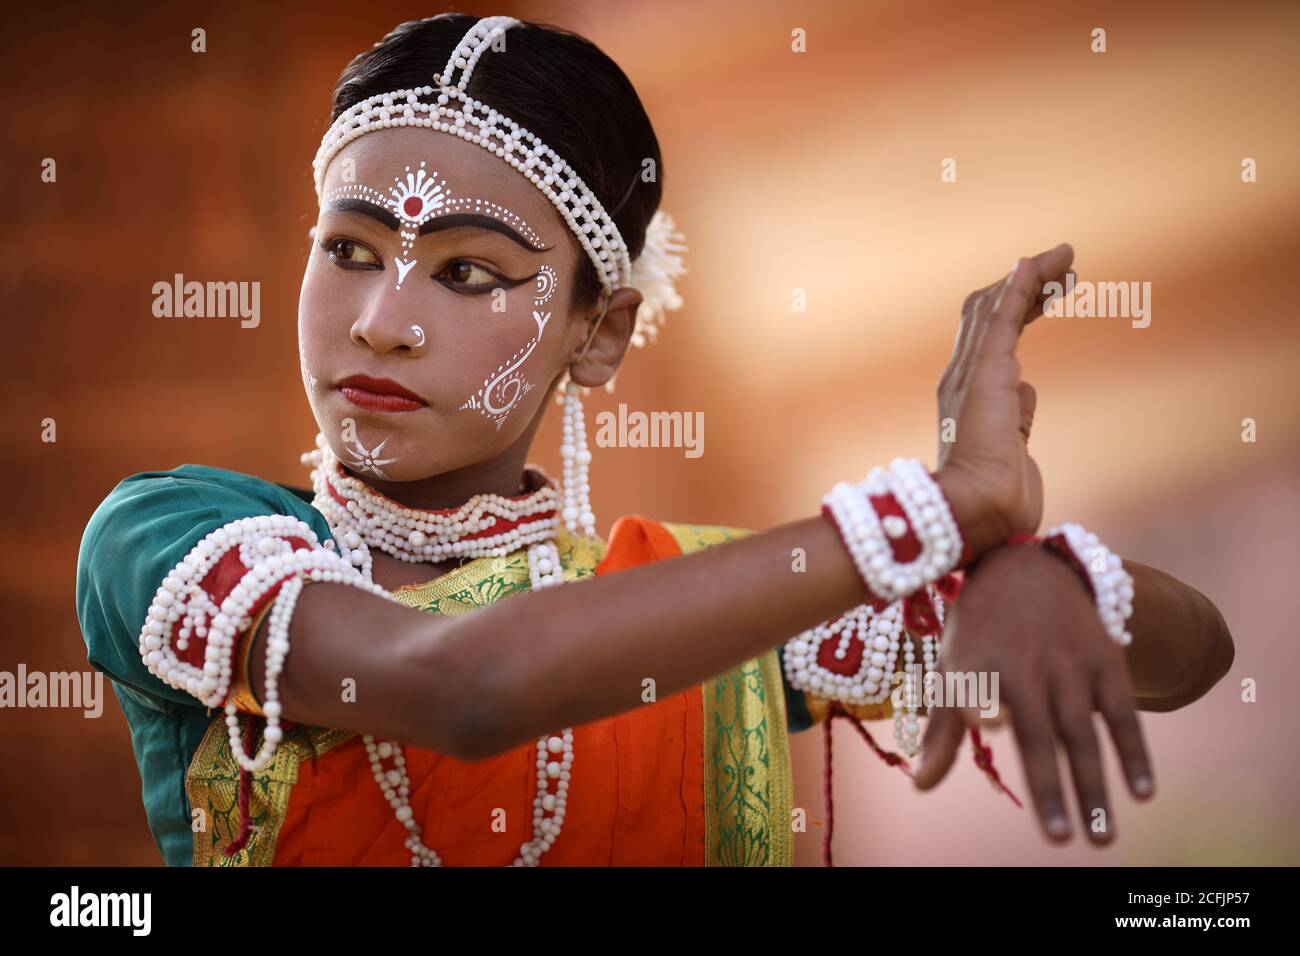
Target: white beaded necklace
{"points": [[368, 519]]}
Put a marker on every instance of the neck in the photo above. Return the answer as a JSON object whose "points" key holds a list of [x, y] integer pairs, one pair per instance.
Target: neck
{"points": [[502, 474], [451, 489]]}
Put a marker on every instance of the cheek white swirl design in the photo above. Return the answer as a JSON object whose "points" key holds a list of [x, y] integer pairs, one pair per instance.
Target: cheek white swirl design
{"points": [[503, 389], [545, 285], [419, 332]]}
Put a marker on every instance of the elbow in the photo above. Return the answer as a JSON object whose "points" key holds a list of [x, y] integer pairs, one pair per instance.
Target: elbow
{"points": [[468, 704], [1224, 650], [1219, 657], [473, 722], [476, 737]]}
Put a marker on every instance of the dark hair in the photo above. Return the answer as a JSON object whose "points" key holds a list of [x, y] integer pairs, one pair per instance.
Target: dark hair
{"points": [[556, 84]]}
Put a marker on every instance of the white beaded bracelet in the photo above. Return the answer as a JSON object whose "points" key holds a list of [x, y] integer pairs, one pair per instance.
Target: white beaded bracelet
{"points": [[184, 610], [302, 566], [277, 649], [867, 535], [1111, 585]]}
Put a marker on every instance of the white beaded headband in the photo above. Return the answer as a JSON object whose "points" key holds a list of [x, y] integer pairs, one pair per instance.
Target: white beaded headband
{"points": [[448, 108]]}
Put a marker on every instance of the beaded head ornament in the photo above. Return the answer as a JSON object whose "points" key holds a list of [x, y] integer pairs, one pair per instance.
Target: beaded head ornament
{"points": [[447, 107]]}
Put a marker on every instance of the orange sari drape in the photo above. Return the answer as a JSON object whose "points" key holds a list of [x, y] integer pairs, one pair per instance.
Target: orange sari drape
{"points": [[636, 797]]}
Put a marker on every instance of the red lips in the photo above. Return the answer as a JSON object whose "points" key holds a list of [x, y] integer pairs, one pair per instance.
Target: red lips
{"points": [[379, 394]]}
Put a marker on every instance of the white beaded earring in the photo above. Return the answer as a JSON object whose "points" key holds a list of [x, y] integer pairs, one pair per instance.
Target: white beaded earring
{"points": [[574, 454], [576, 458]]}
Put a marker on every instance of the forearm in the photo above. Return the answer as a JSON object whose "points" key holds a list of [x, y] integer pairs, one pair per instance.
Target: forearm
{"points": [[360, 662], [570, 655], [484, 682], [1181, 646], [475, 685]]}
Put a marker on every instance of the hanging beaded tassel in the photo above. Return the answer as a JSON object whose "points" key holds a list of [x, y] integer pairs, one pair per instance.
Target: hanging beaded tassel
{"points": [[576, 460]]}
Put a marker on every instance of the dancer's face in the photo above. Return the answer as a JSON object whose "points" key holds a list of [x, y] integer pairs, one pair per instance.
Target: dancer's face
{"points": [[438, 267]]}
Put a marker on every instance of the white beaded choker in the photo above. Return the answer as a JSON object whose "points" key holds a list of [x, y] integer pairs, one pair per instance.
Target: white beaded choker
{"points": [[361, 519], [486, 526]]}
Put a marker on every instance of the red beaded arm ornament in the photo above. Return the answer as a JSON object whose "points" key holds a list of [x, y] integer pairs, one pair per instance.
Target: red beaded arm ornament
{"points": [[214, 599], [900, 530]]}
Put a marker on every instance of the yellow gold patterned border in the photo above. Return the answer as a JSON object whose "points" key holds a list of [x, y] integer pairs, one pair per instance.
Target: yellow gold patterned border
{"points": [[212, 785], [748, 787]]}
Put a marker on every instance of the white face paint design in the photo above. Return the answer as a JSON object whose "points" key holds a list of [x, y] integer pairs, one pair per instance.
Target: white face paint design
{"points": [[545, 285], [368, 460], [419, 334], [502, 389], [403, 268], [422, 196]]}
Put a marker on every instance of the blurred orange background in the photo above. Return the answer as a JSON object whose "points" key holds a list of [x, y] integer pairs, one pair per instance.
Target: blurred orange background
{"points": [[817, 171]]}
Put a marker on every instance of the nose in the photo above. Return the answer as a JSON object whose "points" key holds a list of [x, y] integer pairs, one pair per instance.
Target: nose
{"points": [[385, 327]]}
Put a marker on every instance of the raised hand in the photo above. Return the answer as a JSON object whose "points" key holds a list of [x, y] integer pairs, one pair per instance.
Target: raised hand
{"points": [[993, 484]]}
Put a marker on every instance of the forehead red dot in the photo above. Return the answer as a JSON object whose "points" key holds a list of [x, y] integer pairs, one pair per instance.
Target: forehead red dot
{"points": [[412, 206]]}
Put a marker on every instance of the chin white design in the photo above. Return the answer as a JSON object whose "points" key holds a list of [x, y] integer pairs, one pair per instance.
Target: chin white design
{"points": [[368, 460]]}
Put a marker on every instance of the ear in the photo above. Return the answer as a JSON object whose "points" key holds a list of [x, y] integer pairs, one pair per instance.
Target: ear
{"points": [[609, 340]]}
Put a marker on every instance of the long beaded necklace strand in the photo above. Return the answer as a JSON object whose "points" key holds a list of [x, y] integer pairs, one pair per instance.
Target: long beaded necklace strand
{"points": [[485, 526]]}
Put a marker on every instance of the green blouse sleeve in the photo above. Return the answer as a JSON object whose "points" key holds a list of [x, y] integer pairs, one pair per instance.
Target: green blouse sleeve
{"points": [[142, 530]]}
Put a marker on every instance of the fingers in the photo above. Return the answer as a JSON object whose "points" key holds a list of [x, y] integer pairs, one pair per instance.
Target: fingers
{"points": [[995, 349], [1053, 263], [1072, 718], [1118, 706], [1050, 265], [939, 746], [970, 309], [974, 328], [1032, 724]]}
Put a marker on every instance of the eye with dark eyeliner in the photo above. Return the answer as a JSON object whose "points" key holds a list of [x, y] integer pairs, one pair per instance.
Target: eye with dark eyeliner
{"points": [[471, 278], [460, 275], [351, 254]]}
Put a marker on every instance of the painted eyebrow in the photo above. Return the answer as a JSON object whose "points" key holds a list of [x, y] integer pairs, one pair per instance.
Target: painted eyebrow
{"points": [[456, 220]]}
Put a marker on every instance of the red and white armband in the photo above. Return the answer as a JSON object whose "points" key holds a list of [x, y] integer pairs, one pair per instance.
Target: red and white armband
{"points": [[210, 597], [1102, 572], [898, 528]]}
